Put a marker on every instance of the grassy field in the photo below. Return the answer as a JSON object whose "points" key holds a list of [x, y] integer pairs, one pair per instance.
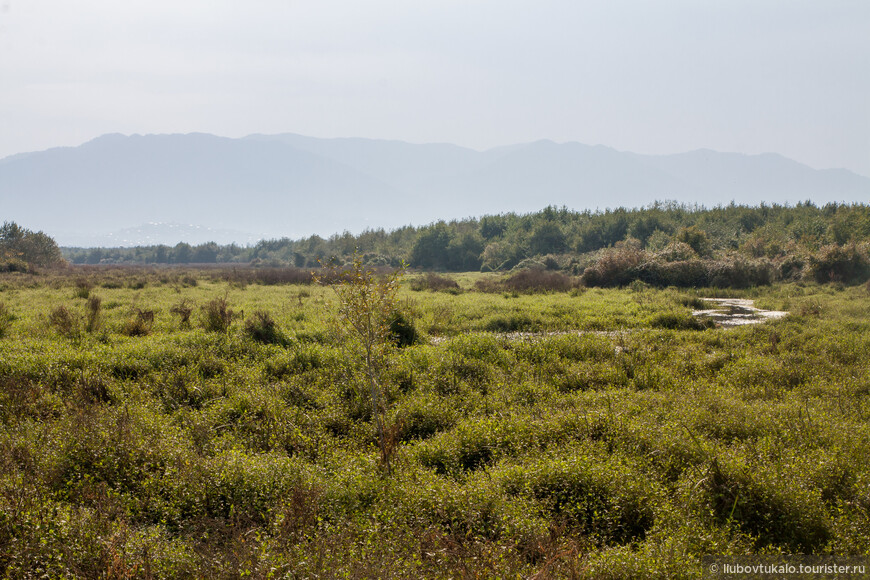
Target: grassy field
{"points": [[242, 441]]}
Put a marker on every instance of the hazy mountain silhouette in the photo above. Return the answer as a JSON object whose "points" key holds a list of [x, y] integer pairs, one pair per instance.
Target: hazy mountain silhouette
{"points": [[291, 185]]}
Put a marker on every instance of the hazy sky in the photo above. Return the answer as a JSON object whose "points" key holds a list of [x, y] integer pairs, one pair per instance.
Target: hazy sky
{"points": [[666, 76]]}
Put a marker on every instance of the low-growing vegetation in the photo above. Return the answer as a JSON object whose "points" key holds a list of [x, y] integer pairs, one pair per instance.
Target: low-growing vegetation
{"points": [[198, 423]]}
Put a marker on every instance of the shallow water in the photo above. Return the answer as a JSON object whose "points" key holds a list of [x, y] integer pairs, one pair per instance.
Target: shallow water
{"points": [[731, 312], [737, 312]]}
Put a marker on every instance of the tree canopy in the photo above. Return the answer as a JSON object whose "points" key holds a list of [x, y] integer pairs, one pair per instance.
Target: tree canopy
{"points": [[20, 247]]}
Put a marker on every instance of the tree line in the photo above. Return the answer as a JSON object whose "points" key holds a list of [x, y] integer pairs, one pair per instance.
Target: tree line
{"points": [[555, 238]]}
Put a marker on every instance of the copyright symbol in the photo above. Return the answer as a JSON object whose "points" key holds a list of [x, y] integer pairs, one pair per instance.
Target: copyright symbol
{"points": [[714, 568]]}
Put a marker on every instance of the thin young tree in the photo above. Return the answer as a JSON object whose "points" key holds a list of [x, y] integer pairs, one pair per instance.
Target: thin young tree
{"points": [[366, 303]]}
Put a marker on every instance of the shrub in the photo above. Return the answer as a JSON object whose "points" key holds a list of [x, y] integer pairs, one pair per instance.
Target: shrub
{"points": [[601, 497], [83, 288], [539, 281], [835, 263], [435, 283], [139, 323], [696, 239], [529, 280], [10, 264], [760, 504], [740, 273], [615, 267], [676, 252], [183, 310], [93, 321], [509, 323], [261, 327], [217, 316], [367, 304], [402, 331], [684, 274], [64, 321]]}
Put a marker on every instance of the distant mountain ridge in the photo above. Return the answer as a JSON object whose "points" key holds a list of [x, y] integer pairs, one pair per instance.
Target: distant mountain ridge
{"points": [[292, 185]]}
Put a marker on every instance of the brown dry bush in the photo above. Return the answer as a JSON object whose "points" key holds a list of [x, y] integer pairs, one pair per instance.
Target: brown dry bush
{"points": [[266, 276], [833, 263], [64, 321], [435, 283], [83, 288], [183, 310], [217, 315], [615, 267], [95, 304], [139, 323], [530, 281], [539, 281]]}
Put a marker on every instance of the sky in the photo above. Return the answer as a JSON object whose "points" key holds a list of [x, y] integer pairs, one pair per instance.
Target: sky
{"points": [[784, 76]]}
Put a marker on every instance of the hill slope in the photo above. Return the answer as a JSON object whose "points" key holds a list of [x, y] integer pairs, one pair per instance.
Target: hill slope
{"points": [[291, 185]]}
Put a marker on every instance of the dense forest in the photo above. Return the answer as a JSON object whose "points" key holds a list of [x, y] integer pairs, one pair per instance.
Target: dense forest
{"points": [[664, 244]]}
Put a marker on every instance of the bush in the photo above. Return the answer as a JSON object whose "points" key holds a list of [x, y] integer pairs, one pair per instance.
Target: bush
{"points": [[835, 263], [615, 267], [509, 323], [95, 305], [529, 281], [139, 323], [64, 321], [601, 497], [758, 503], [539, 281], [261, 327], [217, 316], [83, 288], [402, 331], [183, 310], [435, 283], [9, 264], [676, 252]]}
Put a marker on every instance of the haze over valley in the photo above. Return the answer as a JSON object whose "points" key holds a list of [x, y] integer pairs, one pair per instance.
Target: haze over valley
{"points": [[120, 190]]}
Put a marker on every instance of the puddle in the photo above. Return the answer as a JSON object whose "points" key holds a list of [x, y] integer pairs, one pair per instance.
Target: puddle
{"points": [[731, 312], [737, 312]]}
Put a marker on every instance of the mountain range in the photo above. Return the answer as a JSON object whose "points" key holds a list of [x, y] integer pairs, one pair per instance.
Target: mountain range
{"points": [[144, 189]]}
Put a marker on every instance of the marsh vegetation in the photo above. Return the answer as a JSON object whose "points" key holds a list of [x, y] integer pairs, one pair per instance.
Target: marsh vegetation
{"points": [[191, 423]]}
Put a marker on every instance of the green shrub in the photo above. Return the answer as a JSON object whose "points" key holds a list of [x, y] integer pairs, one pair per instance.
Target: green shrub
{"points": [[402, 331], [262, 328], [509, 323], [759, 503], [424, 416], [529, 280], [601, 497]]}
